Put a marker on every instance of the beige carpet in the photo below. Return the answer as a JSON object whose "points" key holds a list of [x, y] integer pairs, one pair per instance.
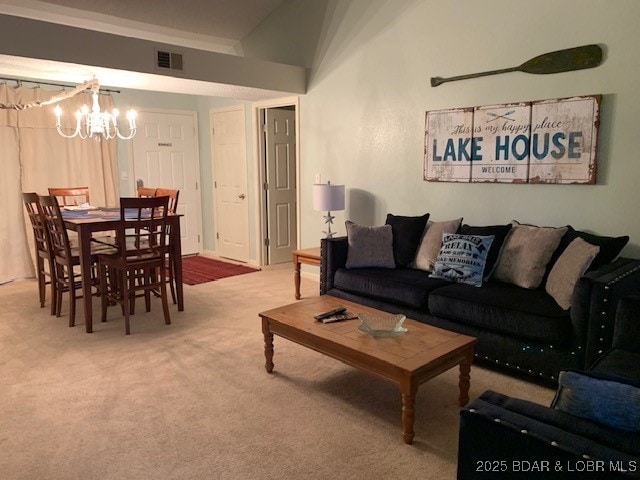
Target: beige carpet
{"points": [[192, 400]]}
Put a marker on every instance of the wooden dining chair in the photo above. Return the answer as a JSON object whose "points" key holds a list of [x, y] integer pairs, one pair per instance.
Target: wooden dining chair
{"points": [[139, 264], [173, 195], [66, 257], [71, 196], [45, 266], [146, 192]]}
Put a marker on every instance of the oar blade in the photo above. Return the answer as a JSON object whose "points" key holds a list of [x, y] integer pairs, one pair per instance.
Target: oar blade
{"points": [[578, 58]]}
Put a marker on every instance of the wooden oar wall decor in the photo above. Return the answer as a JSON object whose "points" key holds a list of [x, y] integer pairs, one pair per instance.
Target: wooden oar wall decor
{"points": [[578, 58]]}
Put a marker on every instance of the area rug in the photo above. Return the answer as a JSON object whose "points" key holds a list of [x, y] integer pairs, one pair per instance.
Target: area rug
{"points": [[197, 269]]}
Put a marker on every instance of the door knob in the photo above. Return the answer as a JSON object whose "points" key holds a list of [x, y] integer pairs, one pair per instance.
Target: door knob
{"points": [[242, 196]]}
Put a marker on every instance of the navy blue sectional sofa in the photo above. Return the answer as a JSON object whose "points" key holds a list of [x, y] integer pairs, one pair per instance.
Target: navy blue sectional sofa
{"points": [[522, 330]]}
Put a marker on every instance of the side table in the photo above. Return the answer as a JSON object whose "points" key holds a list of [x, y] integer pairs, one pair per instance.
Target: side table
{"points": [[310, 256]]}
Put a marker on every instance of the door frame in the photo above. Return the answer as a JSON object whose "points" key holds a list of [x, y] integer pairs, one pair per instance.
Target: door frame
{"points": [[133, 191], [213, 111], [260, 176]]}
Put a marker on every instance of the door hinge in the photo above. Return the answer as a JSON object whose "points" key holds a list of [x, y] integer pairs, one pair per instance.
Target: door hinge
{"points": [[264, 128], [265, 185], [196, 185], [198, 238], [266, 242], [215, 184], [217, 236]]}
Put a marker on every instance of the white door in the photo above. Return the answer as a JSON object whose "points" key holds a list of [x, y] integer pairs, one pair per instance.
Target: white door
{"points": [[229, 145], [164, 155], [280, 150]]}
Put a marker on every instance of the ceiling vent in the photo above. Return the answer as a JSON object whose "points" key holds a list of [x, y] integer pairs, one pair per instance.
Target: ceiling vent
{"points": [[170, 60]]}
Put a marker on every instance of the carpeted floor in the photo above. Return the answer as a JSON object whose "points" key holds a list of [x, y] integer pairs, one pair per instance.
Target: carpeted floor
{"points": [[198, 269], [192, 400]]}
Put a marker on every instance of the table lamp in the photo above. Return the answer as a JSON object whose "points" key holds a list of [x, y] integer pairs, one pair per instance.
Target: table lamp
{"points": [[330, 198]]}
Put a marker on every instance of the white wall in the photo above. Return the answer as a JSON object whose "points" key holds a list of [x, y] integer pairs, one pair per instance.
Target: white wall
{"points": [[362, 119]]}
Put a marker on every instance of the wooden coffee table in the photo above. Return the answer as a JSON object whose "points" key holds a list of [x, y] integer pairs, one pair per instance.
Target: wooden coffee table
{"points": [[407, 360]]}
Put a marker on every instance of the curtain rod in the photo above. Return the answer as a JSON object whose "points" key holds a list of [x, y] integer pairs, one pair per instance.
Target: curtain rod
{"points": [[20, 82]]}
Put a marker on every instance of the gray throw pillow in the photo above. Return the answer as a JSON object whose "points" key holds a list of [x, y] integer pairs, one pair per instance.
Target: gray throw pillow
{"points": [[431, 243], [369, 246], [606, 401]]}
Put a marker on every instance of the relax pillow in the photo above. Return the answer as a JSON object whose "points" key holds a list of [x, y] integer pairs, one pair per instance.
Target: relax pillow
{"points": [[571, 265], [525, 254], [407, 232], [432, 241], [462, 258], [603, 400], [499, 233], [369, 246]]}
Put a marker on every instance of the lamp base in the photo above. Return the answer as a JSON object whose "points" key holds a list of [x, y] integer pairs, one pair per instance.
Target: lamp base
{"points": [[328, 219]]}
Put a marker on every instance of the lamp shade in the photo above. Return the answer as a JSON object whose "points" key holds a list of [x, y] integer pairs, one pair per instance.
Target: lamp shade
{"points": [[328, 197]]}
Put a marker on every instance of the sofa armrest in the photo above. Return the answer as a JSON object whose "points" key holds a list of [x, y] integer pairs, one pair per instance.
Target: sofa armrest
{"points": [[503, 438], [626, 332], [595, 301], [333, 256]]}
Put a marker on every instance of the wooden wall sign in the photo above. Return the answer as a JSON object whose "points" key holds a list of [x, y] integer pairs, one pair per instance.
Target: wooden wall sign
{"points": [[547, 141]]}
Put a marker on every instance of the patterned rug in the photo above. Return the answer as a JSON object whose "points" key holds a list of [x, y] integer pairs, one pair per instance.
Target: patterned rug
{"points": [[197, 269]]}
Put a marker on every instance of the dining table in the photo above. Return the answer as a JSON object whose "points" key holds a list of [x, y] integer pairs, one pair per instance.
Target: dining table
{"points": [[107, 219]]}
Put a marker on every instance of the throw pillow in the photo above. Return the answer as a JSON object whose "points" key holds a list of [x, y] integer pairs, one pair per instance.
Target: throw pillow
{"points": [[571, 265], [606, 401], [407, 232], [525, 254], [499, 233], [432, 241], [462, 258], [369, 246]]}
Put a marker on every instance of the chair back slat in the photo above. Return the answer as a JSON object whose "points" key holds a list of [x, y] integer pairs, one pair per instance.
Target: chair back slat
{"points": [[146, 192], [70, 196]]}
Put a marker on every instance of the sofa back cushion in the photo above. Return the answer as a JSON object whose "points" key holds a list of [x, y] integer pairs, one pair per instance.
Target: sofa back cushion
{"points": [[432, 241], [499, 233], [369, 246], [407, 232], [525, 254]]}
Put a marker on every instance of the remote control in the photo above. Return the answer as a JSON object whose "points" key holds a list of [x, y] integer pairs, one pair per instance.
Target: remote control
{"points": [[320, 316]]}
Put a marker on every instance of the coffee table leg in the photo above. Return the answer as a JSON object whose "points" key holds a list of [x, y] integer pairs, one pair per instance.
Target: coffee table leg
{"points": [[268, 351], [464, 379], [408, 401]]}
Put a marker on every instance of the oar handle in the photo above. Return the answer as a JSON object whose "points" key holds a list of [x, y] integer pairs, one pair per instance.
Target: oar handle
{"points": [[435, 81]]}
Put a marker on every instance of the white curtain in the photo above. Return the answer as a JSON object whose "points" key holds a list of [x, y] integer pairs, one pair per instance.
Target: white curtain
{"points": [[34, 157]]}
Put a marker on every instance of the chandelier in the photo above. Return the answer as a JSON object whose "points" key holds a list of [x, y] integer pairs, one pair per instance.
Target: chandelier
{"points": [[96, 124]]}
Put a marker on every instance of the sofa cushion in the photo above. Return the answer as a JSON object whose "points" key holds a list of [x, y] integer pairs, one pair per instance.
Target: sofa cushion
{"points": [[404, 286], [526, 253], [504, 308], [595, 397], [571, 265], [499, 233], [369, 246], [462, 258], [407, 232], [432, 241]]}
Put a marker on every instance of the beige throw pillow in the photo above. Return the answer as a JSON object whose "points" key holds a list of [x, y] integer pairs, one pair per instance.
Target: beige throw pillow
{"points": [[525, 254], [569, 267], [432, 242]]}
